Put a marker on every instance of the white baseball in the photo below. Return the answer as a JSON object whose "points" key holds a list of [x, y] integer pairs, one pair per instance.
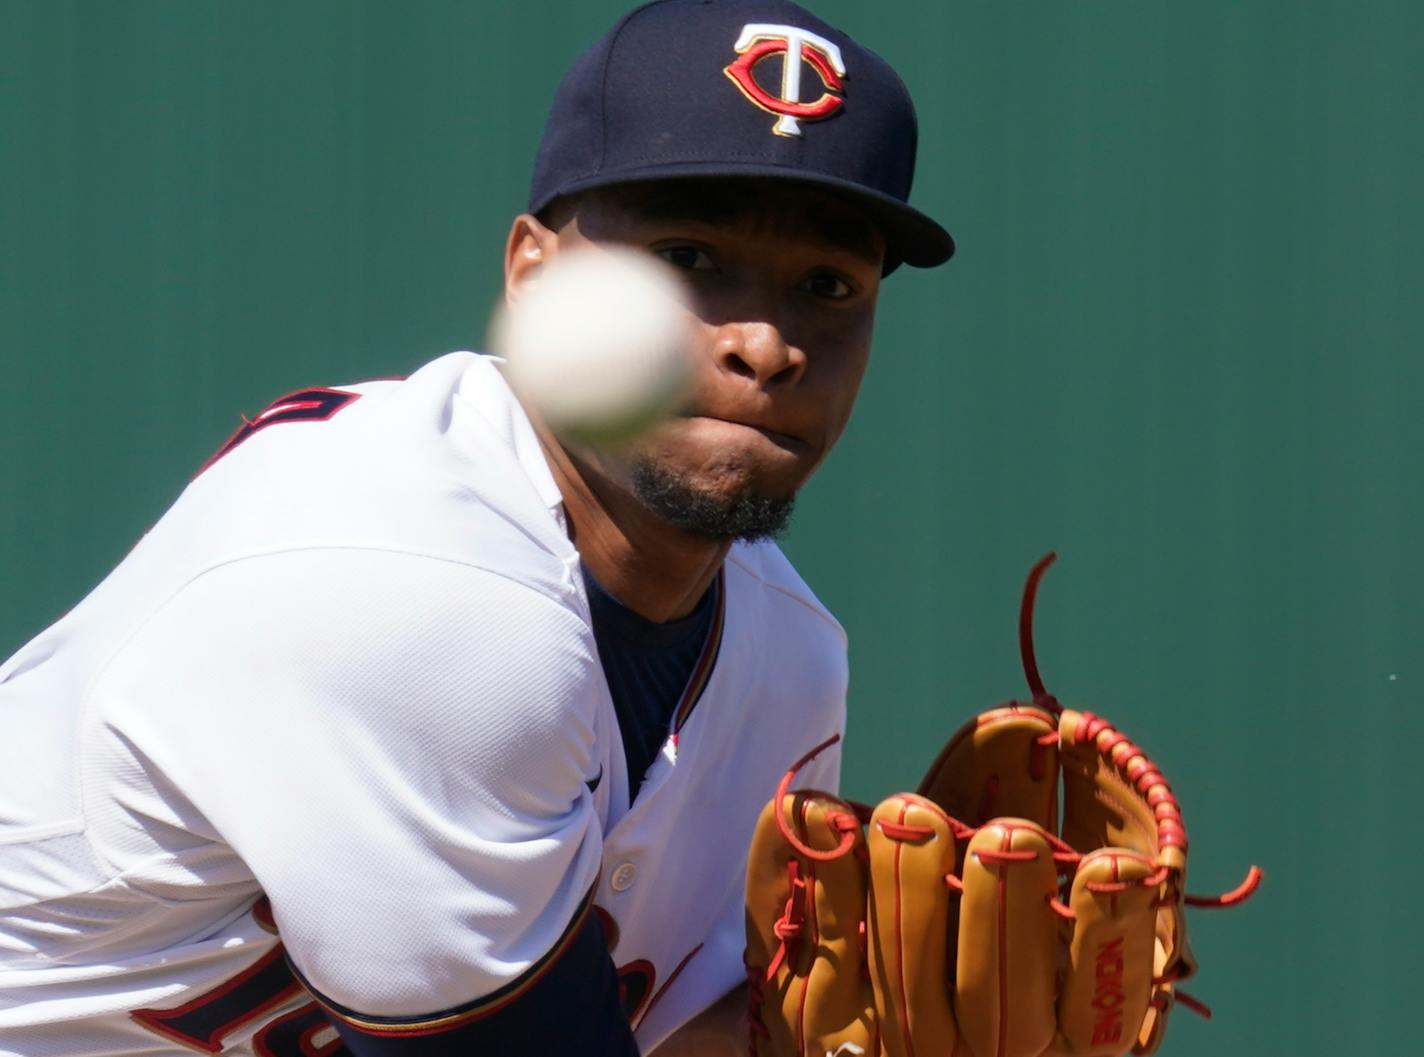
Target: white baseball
{"points": [[598, 343]]}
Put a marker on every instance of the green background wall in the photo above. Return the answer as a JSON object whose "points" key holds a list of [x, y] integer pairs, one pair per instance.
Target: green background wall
{"points": [[1180, 344]]}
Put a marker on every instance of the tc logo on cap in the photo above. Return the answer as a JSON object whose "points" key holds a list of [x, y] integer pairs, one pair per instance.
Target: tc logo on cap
{"points": [[758, 40]]}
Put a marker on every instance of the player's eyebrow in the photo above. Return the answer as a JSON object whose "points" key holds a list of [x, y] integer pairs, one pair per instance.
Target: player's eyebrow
{"points": [[838, 229], [820, 221]]}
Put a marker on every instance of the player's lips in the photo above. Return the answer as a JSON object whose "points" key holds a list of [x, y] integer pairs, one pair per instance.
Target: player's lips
{"points": [[787, 441]]}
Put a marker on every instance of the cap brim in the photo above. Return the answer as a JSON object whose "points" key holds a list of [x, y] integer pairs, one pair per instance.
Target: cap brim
{"points": [[911, 237]]}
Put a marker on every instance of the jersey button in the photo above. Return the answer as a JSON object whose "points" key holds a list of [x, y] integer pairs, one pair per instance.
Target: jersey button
{"points": [[623, 877]]}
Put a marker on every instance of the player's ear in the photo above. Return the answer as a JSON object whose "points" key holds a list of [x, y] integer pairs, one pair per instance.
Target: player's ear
{"points": [[531, 244]]}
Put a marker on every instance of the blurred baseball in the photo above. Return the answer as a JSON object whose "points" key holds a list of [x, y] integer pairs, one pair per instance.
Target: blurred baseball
{"points": [[599, 343]]}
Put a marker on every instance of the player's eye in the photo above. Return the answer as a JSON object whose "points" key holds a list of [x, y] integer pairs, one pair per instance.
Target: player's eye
{"points": [[828, 285], [687, 257]]}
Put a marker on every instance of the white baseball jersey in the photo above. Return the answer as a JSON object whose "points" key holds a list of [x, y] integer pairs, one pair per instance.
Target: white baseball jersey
{"points": [[345, 700]]}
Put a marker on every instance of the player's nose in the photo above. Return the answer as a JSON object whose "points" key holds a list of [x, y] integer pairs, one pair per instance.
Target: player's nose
{"points": [[757, 351]]}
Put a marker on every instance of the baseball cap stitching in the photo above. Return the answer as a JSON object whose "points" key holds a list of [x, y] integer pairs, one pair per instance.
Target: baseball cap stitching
{"points": [[613, 39]]}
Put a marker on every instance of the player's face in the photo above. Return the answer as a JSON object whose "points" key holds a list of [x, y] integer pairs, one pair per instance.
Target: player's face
{"points": [[784, 284]]}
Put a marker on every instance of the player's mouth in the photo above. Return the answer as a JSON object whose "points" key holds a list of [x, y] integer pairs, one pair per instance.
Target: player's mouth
{"points": [[786, 441]]}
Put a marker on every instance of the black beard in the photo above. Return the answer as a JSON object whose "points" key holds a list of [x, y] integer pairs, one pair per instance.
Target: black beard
{"points": [[748, 517]]}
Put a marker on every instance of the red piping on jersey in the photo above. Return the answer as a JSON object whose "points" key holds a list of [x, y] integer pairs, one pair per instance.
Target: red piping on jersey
{"points": [[668, 983], [706, 661]]}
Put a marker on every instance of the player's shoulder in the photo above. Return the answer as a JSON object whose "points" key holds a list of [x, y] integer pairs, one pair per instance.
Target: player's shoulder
{"points": [[405, 522], [763, 569], [374, 428], [442, 463], [431, 489], [366, 626]]}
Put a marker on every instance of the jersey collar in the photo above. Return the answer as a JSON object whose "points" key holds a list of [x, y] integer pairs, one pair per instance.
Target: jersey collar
{"points": [[484, 388]]}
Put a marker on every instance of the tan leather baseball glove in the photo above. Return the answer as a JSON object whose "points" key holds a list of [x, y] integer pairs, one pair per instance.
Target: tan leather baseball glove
{"points": [[960, 919]]}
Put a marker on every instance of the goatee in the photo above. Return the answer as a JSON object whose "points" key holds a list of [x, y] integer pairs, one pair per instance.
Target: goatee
{"points": [[747, 516]]}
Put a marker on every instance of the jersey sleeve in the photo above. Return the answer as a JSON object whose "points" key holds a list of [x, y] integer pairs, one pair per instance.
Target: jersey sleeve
{"points": [[399, 749]]}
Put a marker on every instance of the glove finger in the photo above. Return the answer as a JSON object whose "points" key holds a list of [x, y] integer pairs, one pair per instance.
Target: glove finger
{"points": [[805, 951], [1114, 796], [1107, 985], [911, 849], [995, 766], [1008, 938]]}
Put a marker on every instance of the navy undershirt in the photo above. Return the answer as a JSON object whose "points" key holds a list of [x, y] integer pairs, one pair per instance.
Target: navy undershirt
{"points": [[647, 665]]}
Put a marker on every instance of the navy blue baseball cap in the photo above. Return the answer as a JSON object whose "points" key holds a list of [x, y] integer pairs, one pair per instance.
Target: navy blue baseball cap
{"points": [[739, 88]]}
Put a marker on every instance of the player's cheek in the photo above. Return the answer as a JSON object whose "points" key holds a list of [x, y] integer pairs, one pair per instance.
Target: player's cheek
{"points": [[703, 356], [837, 401], [842, 371]]}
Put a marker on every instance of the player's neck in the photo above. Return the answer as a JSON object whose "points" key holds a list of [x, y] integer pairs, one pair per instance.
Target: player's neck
{"points": [[656, 570]]}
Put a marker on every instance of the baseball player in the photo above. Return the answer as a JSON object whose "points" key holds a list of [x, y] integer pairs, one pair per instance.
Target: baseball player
{"points": [[413, 728]]}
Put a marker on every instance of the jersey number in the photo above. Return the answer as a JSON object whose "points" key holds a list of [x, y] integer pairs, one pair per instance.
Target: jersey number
{"points": [[203, 1022], [636, 978], [305, 405]]}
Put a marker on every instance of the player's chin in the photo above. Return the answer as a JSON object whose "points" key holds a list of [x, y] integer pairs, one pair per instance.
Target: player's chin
{"points": [[719, 515], [727, 498]]}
